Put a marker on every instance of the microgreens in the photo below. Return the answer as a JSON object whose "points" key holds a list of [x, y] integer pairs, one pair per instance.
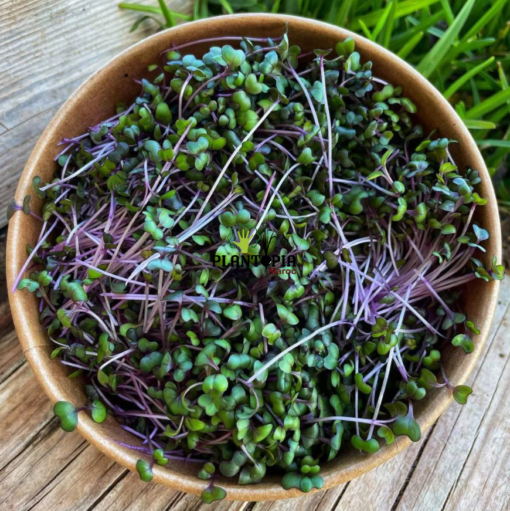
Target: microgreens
{"points": [[233, 367], [461, 46]]}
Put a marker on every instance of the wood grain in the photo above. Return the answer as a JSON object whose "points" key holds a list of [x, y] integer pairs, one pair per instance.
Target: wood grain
{"points": [[46, 51], [457, 431], [81, 482], [25, 410], [35, 472], [11, 356], [131, 494]]}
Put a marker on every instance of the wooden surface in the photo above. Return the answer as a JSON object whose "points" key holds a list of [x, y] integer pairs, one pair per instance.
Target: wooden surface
{"points": [[463, 463], [46, 50]]}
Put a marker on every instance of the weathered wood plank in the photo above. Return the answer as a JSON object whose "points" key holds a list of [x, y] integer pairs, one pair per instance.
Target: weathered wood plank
{"points": [[186, 502], [11, 356], [317, 501], [15, 148], [45, 53], [377, 490], [483, 482], [57, 471], [25, 410], [131, 494], [449, 449], [28, 478], [41, 466], [89, 474]]}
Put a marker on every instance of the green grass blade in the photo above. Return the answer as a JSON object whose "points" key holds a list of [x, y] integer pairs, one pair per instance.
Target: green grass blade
{"points": [[479, 125], [389, 25], [498, 115], [448, 11], [292, 7], [504, 81], [498, 157], [467, 47], [344, 12], [140, 20], [382, 21], [167, 14], [502, 77], [486, 18], [435, 56], [366, 31], [436, 32], [403, 9], [140, 8], [226, 6], [421, 26], [196, 10], [475, 92], [460, 108], [455, 86], [276, 6], [489, 83], [201, 9], [410, 45], [504, 144], [315, 13], [333, 12], [489, 104]]}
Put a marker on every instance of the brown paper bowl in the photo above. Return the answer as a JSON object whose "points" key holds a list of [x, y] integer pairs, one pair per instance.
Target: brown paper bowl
{"points": [[94, 101]]}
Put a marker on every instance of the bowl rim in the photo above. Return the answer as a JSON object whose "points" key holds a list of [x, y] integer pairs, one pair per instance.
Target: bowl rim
{"points": [[36, 352]]}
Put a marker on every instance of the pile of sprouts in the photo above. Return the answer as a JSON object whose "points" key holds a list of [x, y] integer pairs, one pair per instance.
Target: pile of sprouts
{"points": [[162, 230]]}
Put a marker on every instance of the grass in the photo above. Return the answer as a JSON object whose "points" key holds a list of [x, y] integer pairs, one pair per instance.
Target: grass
{"points": [[461, 46]]}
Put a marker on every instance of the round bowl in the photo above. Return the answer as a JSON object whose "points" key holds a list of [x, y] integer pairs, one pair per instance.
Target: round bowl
{"points": [[94, 101]]}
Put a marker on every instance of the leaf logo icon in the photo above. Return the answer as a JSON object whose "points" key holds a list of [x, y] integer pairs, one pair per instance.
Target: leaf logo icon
{"points": [[244, 240]]}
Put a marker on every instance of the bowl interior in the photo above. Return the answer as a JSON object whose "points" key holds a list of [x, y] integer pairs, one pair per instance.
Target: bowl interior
{"points": [[95, 101]]}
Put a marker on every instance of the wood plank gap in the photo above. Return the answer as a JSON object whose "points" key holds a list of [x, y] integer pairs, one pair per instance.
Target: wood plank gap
{"points": [[339, 498], [108, 490], [473, 377], [12, 370], [473, 444], [57, 106], [10, 374], [178, 497], [83, 446], [50, 425], [447, 498], [413, 468], [484, 356]]}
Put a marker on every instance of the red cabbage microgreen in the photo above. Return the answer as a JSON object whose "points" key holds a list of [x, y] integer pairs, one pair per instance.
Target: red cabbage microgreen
{"points": [[257, 262]]}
